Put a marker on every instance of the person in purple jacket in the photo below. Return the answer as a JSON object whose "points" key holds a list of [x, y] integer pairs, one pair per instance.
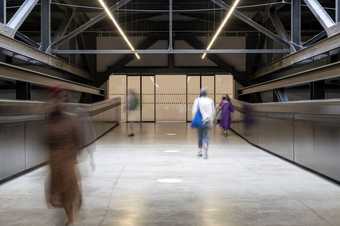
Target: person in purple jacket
{"points": [[226, 109]]}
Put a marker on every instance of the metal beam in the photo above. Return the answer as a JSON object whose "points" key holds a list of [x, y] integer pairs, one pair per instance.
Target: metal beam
{"points": [[321, 47], [170, 24], [122, 62], [251, 42], [239, 76], [64, 27], [315, 39], [20, 16], [90, 23], [253, 24], [316, 74], [3, 11], [30, 52], [45, 24], [296, 21], [337, 11], [278, 25], [320, 14], [12, 72], [171, 71], [280, 95], [170, 51], [22, 37]]}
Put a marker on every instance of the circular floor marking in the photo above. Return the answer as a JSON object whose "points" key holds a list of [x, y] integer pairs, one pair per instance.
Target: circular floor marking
{"points": [[169, 181]]}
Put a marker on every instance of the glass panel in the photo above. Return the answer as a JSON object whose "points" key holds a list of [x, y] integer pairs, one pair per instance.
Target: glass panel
{"points": [[117, 88], [171, 98], [224, 85], [134, 84], [208, 83], [148, 98], [193, 92]]}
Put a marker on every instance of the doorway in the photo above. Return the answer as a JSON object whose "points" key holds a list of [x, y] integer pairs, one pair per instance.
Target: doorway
{"points": [[167, 98]]}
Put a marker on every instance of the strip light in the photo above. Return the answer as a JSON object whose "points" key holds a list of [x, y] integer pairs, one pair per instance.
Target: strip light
{"points": [[219, 30], [107, 10]]}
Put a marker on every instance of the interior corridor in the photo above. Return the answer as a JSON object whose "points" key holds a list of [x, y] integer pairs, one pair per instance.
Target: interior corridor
{"points": [[155, 178]]}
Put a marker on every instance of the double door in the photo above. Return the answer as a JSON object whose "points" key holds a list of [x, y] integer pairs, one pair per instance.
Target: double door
{"points": [[167, 98]]}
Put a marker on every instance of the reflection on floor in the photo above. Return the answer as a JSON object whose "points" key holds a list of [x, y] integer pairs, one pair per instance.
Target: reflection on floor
{"points": [[155, 178]]}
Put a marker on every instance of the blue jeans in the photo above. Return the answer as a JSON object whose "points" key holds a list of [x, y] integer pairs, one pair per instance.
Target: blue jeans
{"points": [[203, 137]]}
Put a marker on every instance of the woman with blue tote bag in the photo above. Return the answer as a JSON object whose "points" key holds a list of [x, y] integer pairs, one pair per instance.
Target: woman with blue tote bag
{"points": [[203, 111]]}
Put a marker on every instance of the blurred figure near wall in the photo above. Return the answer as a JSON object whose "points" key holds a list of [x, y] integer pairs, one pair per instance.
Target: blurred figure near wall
{"points": [[227, 109], [132, 105], [248, 118], [64, 143], [87, 135]]}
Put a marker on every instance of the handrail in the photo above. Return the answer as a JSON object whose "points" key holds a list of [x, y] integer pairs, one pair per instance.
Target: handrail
{"points": [[314, 107], [20, 111], [324, 72], [9, 71]]}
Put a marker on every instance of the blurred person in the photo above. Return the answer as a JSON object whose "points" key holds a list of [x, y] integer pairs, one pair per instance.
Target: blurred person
{"points": [[132, 105], [204, 110], [87, 135], [227, 109], [248, 118], [219, 110], [63, 140]]}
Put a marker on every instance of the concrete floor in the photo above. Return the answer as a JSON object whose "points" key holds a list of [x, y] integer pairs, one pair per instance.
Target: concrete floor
{"points": [[155, 178]]}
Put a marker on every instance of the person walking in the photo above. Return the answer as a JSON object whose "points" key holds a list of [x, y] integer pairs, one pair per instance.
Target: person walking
{"points": [[227, 109], [132, 105], [203, 110], [63, 140]]}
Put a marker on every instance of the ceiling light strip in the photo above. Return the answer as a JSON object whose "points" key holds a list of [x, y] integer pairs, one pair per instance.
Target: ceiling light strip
{"points": [[219, 30], [120, 30]]}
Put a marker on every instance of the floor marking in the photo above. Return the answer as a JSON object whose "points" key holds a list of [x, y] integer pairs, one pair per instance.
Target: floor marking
{"points": [[169, 181], [171, 134], [171, 151]]}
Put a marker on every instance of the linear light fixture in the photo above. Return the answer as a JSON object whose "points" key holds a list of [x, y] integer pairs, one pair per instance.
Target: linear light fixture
{"points": [[219, 30], [107, 10]]}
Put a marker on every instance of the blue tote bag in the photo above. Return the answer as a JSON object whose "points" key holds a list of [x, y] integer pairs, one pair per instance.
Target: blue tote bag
{"points": [[197, 121]]}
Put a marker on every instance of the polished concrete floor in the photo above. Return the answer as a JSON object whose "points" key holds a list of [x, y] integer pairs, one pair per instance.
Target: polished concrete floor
{"points": [[155, 178]]}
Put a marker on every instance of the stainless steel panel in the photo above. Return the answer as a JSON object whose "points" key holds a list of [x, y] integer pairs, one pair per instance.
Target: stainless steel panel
{"points": [[101, 128], [12, 149], [22, 131], [307, 132], [312, 107], [278, 134], [317, 143], [326, 147], [252, 132], [304, 144], [36, 152]]}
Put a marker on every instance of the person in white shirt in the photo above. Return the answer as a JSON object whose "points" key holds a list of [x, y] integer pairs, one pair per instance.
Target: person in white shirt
{"points": [[207, 109]]}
